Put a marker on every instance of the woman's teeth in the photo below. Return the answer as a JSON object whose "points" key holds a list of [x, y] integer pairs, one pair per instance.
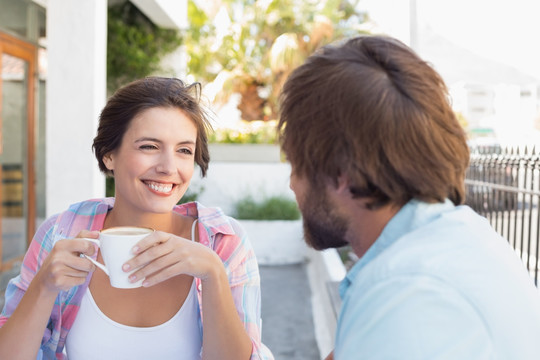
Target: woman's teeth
{"points": [[163, 188]]}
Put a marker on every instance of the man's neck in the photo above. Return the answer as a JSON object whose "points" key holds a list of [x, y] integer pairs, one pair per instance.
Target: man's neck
{"points": [[365, 226]]}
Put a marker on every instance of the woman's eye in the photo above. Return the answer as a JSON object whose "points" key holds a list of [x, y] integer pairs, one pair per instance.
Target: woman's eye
{"points": [[147, 147], [185, 151]]}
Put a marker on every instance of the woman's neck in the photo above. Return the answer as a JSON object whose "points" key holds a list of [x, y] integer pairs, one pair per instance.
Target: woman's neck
{"points": [[167, 222]]}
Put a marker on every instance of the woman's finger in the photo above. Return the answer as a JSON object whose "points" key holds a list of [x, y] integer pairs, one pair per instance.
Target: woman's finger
{"points": [[67, 282], [60, 275], [154, 239], [150, 254], [177, 256], [162, 275], [75, 246], [82, 264], [162, 269], [93, 234]]}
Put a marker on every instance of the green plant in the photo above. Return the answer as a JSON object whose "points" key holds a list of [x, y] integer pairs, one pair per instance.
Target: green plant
{"points": [[135, 45], [109, 186], [254, 132], [192, 194], [272, 208], [250, 47]]}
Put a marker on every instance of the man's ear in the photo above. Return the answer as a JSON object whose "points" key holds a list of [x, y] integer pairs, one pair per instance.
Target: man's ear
{"points": [[341, 186], [108, 160]]}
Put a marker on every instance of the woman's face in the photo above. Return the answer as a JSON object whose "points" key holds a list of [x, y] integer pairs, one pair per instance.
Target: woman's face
{"points": [[155, 161]]}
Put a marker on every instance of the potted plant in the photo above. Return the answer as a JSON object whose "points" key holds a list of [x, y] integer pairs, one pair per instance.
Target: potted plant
{"points": [[274, 227]]}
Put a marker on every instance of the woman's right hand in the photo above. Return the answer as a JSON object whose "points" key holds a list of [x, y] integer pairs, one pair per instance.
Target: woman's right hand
{"points": [[64, 268]]}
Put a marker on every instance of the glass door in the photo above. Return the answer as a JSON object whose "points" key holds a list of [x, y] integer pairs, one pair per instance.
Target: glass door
{"points": [[17, 138]]}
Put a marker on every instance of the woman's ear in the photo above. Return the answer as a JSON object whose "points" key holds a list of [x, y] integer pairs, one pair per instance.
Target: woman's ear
{"points": [[108, 160]]}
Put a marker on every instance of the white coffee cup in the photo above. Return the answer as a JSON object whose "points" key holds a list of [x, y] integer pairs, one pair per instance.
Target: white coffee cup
{"points": [[116, 246]]}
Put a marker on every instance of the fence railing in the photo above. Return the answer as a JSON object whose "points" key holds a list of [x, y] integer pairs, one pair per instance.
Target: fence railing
{"points": [[505, 188]]}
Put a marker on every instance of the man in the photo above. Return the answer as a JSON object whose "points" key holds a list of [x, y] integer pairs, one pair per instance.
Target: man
{"points": [[378, 162]]}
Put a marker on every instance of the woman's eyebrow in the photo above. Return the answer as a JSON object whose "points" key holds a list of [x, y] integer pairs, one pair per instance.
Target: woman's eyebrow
{"points": [[184, 142], [147, 139]]}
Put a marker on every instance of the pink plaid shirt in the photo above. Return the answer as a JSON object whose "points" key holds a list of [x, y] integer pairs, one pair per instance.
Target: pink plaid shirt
{"points": [[217, 231]]}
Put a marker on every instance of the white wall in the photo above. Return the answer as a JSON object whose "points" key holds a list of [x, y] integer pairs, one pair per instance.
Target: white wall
{"points": [[227, 182], [171, 14], [76, 91]]}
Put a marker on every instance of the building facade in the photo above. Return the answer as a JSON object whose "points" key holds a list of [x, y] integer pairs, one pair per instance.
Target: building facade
{"points": [[52, 88]]}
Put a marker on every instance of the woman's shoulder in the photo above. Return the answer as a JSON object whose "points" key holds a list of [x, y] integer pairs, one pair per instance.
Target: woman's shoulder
{"points": [[223, 234], [212, 218], [91, 206], [219, 228], [84, 214]]}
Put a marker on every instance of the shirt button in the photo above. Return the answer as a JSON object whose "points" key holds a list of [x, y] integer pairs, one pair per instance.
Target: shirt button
{"points": [[199, 287]]}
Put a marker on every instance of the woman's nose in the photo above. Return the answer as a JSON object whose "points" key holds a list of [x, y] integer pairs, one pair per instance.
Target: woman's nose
{"points": [[166, 164]]}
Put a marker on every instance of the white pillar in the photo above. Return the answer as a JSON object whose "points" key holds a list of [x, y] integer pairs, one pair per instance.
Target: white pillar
{"points": [[76, 93]]}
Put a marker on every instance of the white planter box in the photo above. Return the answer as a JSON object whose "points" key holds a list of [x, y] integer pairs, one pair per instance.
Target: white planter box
{"points": [[276, 242], [245, 152]]}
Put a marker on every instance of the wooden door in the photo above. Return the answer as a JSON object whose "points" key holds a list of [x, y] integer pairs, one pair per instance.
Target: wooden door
{"points": [[17, 147]]}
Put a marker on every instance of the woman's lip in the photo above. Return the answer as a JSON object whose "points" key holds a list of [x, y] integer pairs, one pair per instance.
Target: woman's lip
{"points": [[159, 182]]}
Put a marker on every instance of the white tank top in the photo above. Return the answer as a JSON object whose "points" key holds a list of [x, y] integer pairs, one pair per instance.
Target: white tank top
{"points": [[95, 336]]}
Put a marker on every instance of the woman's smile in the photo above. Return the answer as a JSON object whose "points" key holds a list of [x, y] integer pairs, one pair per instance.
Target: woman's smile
{"points": [[160, 188]]}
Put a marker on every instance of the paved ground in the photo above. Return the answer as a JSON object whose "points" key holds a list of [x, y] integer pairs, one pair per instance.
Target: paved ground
{"points": [[286, 313]]}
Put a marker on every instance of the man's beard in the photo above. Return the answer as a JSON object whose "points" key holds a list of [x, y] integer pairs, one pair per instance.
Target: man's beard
{"points": [[323, 227]]}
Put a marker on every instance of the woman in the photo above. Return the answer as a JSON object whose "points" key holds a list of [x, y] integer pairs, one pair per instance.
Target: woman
{"points": [[200, 296]]}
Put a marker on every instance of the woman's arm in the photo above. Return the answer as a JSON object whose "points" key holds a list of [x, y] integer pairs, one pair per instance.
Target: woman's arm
{"points": [[22, 333], [224, 335]]}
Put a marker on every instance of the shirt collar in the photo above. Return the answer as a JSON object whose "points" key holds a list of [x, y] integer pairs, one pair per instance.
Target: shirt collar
{"points": [[213, 219], [414, 214]]}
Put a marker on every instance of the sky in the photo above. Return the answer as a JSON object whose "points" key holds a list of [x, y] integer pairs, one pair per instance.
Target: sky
{"points": [[506, 30]]}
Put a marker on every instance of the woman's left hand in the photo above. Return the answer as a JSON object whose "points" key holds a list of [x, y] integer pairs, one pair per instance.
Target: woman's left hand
{"points": [[161, 256]]}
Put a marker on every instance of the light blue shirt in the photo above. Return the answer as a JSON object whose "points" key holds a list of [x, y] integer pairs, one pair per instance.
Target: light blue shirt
{"points": [[438, 283]]}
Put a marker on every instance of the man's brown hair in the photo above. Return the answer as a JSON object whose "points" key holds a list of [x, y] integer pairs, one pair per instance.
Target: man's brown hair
{"points": [[372, 110]]}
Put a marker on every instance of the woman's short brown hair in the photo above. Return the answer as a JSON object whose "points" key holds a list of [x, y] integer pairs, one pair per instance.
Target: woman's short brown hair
{"points": [[140, 95], [372, 110]]}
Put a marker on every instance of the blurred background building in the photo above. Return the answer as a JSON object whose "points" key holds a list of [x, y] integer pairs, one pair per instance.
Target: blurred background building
{"points": [[487, 54], [53, 84]]}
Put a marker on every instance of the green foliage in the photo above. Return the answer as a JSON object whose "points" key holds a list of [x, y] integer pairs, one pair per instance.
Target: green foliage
{"points": [[254, 132], [135, 45], [272, 208], [109, 186], [256, 44], [192, 194]]}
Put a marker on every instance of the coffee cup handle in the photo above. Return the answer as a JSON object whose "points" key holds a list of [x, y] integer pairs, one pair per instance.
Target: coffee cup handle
{"points": [[99, 265]]}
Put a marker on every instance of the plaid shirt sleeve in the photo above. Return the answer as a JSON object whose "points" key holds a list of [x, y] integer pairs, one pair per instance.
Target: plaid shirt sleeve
{"points": [[38, 250], [86, 215], [244, 279], [231, 243]]}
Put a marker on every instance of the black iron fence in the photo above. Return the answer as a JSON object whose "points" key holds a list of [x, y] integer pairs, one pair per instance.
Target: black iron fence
{"points": [[505, 188]]}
